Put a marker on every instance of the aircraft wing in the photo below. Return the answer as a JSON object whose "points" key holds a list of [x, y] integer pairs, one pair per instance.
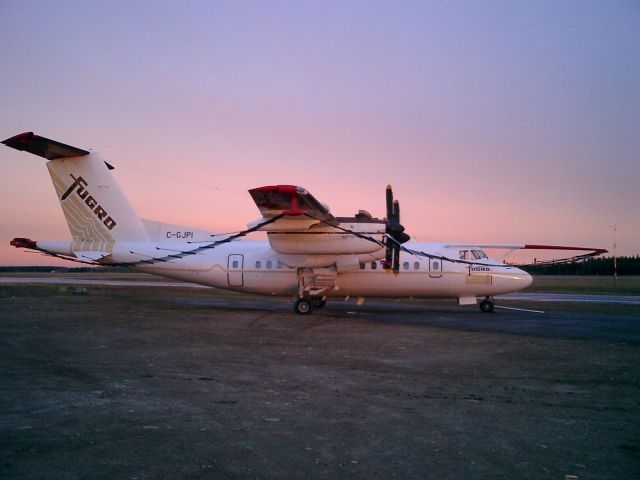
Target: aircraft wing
{"points": [[525, 246], [290, 200], [307, 227], [581, 253]]}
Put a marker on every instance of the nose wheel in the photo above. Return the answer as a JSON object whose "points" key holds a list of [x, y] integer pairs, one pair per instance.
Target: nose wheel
{"points": [[486, 305]]}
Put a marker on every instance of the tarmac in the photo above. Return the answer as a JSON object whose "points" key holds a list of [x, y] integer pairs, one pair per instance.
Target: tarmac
{"points": [[136, 382], [534, 297]]}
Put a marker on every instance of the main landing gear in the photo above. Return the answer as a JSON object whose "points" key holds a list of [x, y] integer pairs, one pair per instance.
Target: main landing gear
{"points": [[318, 302], [313, 286], [304, 306], [486, 305]]}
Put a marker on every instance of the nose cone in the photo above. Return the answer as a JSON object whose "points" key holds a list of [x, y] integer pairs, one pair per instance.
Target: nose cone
{"points": [[511, 279], [522, 279]]}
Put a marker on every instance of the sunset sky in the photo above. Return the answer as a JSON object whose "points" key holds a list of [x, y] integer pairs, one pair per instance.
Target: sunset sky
{"points": [[495, 121]]}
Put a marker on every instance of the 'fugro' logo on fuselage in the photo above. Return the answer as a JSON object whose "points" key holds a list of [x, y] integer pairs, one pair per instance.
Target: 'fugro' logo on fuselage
{"points": [[79, 185], [479, 269]]}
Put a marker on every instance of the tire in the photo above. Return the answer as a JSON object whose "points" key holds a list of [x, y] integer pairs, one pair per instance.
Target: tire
{"points": [[486, 306], [302, 306], [318, 302]]}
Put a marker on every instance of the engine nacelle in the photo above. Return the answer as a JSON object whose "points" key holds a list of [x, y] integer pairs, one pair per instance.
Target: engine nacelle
{"points": [[328, 240]]}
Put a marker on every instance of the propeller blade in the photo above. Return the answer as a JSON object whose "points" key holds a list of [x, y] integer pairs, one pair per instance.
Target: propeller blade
{"points": [[396, 258], [388, 258], [389, 203], [394, 230], [398, 230], [396, 212]]}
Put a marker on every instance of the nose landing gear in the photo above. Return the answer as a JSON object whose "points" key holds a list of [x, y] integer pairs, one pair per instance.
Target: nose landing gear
{"points": [[486, 305]]}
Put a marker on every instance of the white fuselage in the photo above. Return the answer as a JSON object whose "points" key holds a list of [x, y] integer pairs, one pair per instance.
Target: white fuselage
{"points": [[253, 266]]}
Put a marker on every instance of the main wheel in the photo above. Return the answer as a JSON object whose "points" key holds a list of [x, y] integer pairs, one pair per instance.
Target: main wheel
{"points": [[318, 302], [302, 306], [486, 305]]}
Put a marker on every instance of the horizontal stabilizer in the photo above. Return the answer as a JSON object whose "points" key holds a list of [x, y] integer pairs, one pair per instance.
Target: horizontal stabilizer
{"points": [[24, 243], [43, 147]]}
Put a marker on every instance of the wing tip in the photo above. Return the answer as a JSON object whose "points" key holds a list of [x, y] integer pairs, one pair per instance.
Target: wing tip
{"points": [[597, 251]]}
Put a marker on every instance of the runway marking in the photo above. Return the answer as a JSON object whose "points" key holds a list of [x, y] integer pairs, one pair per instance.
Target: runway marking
{"points": [[518, 309], [572, 297]]}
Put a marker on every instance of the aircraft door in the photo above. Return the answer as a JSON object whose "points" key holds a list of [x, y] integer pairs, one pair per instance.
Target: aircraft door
{"points": [[435, 268], [235, 264]]}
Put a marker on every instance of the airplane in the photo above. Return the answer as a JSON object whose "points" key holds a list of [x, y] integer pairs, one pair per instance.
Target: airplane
{"points": [[310, 255]]}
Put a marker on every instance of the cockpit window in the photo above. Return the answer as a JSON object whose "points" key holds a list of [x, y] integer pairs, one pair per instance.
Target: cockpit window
{"points": [[479, 255], [463, 254]]}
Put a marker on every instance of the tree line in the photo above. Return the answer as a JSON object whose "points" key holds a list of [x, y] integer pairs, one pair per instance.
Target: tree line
{"points": [[590, 266], [45, 269]]}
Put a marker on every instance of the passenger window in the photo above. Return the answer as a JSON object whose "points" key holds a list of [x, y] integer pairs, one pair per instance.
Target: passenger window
{"points": [[269, 264], [258, 264], [362, 266], [436, 265], [280, 264], [405, 266], [374, 265], [416, 265], [235, 264]]}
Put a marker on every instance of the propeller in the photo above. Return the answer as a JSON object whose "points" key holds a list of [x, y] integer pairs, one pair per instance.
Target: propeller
{"points": [[394, 232]]}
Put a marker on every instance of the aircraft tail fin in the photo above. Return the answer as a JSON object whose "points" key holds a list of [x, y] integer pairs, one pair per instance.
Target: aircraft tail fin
{"points": [[96, 210]]}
